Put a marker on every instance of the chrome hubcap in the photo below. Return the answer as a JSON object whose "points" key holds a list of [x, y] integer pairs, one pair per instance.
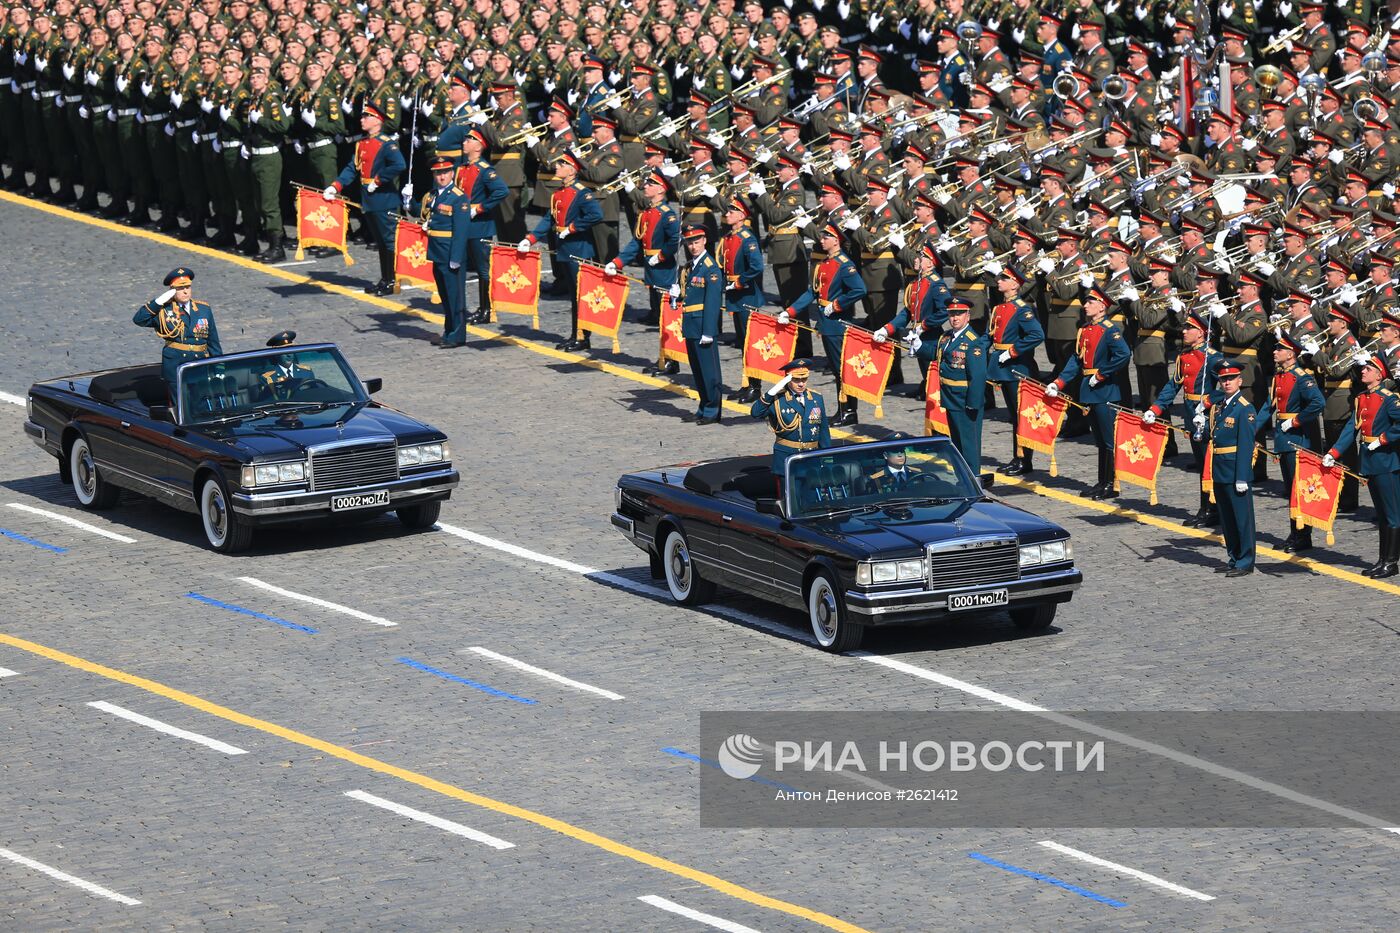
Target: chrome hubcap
{"points": [[86, 472], [216, 514], [824, 611], [680, 567]]}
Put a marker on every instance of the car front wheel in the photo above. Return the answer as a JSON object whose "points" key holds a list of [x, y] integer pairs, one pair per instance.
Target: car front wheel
{"points": [[422, 515], [827, 612], [1034, 618], [682, 576], [223, 529], [92, 490]]}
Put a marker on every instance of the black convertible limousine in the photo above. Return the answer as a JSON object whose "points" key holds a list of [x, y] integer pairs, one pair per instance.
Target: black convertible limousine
{"points": [[250, 439], [894, 532]]}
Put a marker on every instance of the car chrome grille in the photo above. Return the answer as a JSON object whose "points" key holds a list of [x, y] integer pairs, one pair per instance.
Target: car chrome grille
{"points": [[975, 563], [361, 465]]}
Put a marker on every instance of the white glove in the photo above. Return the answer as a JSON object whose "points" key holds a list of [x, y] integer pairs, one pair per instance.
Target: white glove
{"points": [[944, 244], [308, 117], [372, 186], [165, 297], [347, 107], [670, 170], [298, 147], [1052, 391], [1335, 157], [1217, 309], [784, 317], [1093, 381], [1155, 139], [243, 152], [898, 240], [530, 141], [780, 386], [1176, 304], [756, 188], [1241, 488], [830, 310], [1025, 212], [405, 102], [69, 71], [1226, 9], [654, 260], [995, 267], [225, 111], [841, 161], [123, 82], [407, 190], [1374, 445], [1347, 294], [1328, 461], [1249, 145], [1388, 189], [1017, 33], [915, 342], [1284, 8], [1287, 424], [1086, 279], [943, 197], [549, 85], [806, 169], [843, 9], [480, 118], [611, 267], [170, 130], [708, 190], [254, 116], [330, 194], [851, 223], [1149, 417], [83, 111], [706, 340], [873, 21], [802, 220], [879, 336], [763, 154], [1310, 347], [93, 78], [801, 63], [681, 71], [177, 100], [426, 108], [1131, 294], [523, 247], [629, 185], [1004, 356], [146, 88], [1266, 267], [1111, 7], [454, 266], [1045, 264], [218, 146], [674, 291], [716, 140], [1199, 421], [206, 105]]}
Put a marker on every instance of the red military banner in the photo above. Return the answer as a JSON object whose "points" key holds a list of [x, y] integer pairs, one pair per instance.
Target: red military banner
{"points": [[321, 223], [1039, 418], [865, 367], [1313, 499], [515, 282], [768, 347], [1137, 451], [672, 343], [601, 301], [411, 263], [935, 415]]}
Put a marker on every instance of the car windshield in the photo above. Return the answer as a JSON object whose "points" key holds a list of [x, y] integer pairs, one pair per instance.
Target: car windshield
{"points": [[878, 476], [295, 379]]}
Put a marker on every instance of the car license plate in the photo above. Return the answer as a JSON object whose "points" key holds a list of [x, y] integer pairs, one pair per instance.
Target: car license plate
{"points": [[361, 501], [986, 599]]}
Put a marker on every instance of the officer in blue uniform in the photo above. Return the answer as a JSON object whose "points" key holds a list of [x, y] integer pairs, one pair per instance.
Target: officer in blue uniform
{"points": [[282, 380], [483, 189], [1233, 425], [1100, 352], [1053, 53], [376, 167], [186, 325], [573, 210], [459, 122], [701, 292], [1014, 332], [445, 217], [598, 92], [836, 290], [797, 416], [742, 261], [961, 355], [1291, 410], [1375, 428]]}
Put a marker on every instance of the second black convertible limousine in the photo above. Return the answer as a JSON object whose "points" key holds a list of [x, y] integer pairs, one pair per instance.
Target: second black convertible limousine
{"points": [[893, 532], [249, 439]]}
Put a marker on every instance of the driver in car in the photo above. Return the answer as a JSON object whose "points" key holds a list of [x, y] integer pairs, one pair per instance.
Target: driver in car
{"points": [[896, 475], [279, 382]]}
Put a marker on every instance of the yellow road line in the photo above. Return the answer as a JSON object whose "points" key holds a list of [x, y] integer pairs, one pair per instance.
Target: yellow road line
{"points": [[613, 369], [439, 787]]}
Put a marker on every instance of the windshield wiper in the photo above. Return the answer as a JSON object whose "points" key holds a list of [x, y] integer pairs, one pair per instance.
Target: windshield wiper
{"points": [[919, 500]]}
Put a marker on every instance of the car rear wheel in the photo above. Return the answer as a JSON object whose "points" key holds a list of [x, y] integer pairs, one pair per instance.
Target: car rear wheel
{"points": [[1034, 618], [682, 575], [92, 490], [827, 612], [223, 529], [422, 515]]}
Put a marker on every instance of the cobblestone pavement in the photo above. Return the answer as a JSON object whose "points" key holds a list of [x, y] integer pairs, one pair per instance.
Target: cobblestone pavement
{"points": [[206, 838]]}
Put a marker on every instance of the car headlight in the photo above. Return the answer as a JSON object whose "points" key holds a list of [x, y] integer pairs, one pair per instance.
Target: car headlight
{"points": [[291, 472], [889, 571], [1054, 552], [884, 572], [1030, 555], [911, 570], [273, 474], [409, 456], [418, 454]]}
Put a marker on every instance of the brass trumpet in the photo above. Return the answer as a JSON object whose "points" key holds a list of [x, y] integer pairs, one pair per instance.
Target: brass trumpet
{"points": [[1281, 41]]}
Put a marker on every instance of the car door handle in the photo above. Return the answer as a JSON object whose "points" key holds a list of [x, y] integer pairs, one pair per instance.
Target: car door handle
{"points": [[126, 424], [729, 518]]}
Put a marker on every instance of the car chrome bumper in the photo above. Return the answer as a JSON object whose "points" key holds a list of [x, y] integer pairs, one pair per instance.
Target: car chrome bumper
{"points": [[893, 606], [38, 433], [421, 487]]}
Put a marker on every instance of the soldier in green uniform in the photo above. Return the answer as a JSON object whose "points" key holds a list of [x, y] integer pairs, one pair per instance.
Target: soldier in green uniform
{"points": [[265, 122], [157, 79]]}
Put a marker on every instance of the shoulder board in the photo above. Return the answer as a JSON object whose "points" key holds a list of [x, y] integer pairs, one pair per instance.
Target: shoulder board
{"points": [[202, 304], [457, 190]]}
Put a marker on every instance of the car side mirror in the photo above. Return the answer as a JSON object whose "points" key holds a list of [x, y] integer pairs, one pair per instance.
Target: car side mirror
{"points": [[373, 385], [988, 480], [769, 506], [162, 413]]}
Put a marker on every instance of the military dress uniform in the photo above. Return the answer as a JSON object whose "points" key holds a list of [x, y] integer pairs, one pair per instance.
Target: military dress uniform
{"points": [[1099, 353], [446, 213], [568, 225], [798, 420], [836, 289], [961, 358], [485, 191], [1333, 364], [655, 245], [1295, 400], [1232, 430], [701, 288], [742, 262], [1193, 378], [376, 167], [1013, 329], [188, 330], [1374, 432]]}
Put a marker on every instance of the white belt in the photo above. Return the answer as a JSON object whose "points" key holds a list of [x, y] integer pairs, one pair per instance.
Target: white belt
{"points": [[48, 94], [27, 85], [100, 108], [153, 117], [186, 124], [228, 143], [319, 143], [264, 150], [129, 113]]}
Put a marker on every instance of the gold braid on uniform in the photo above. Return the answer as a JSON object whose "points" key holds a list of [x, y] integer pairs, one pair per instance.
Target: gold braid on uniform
{"points": [[783, 425], [169, 325]]}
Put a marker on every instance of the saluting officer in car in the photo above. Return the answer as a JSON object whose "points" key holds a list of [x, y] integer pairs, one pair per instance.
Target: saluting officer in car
{"points": [[186, 325]]}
